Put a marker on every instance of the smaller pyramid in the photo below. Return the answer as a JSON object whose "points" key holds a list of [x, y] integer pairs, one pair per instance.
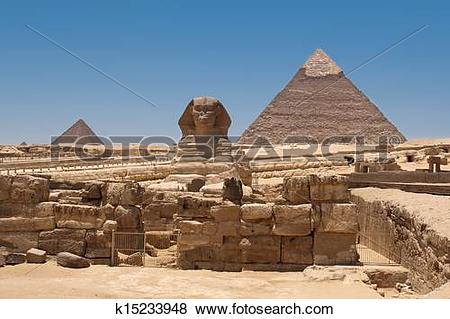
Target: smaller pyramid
{"points": [[78, 130], [23, 143]]}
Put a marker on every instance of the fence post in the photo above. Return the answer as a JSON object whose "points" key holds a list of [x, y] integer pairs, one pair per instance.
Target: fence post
{"points": [[113, 248], [145, 241]]}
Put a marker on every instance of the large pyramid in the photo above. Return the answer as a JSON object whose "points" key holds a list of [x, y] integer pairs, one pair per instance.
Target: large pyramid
{"points": [[77, 130], [319, 102]]}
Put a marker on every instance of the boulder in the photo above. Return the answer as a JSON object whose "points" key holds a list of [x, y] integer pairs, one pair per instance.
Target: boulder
{"points": [[296, 190], [232, 190], [79, 216], [292, 220], [15, 258], [128, 218], [297, 250], [256, 212], [335, 218], [110, 226], [226, 213], [19, 241], [98, 244], [260, 249], [29, 189], [158, 210], [63, 240], [136, 259], [92, 191], [159, 239], [36, 256], [69, 260], [127, 193], [329, 188], [335, 249]]}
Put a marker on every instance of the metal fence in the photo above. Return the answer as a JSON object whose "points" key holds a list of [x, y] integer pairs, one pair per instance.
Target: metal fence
{"points": [[373, 253], [128, 249]]}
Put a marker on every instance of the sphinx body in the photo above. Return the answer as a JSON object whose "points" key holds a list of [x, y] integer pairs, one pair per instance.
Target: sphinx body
{"points": [[204, 126]]}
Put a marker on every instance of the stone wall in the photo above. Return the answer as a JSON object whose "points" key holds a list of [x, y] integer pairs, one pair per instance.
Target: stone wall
{"points": [[313, 223], [410, 230], [79, 217]]}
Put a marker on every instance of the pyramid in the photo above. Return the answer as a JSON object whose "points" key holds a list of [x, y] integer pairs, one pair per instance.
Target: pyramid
{"points": [[76, 131], [319, 102]]}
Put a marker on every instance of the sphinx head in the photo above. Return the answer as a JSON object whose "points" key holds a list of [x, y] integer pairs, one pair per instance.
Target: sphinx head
{"points": [[205, 116]]}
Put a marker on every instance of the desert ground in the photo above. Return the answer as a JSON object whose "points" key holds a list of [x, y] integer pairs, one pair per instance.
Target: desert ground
{"points": [[51, 281]]}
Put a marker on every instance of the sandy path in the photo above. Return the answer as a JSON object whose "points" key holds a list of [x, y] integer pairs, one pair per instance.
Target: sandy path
{"points": [[52, 281]]}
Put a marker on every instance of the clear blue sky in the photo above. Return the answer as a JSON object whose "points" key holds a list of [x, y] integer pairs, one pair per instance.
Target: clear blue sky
{"points": [[242, 52]]}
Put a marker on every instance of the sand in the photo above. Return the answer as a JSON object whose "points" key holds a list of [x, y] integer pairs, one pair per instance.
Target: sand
{"points": [[52, 281]]}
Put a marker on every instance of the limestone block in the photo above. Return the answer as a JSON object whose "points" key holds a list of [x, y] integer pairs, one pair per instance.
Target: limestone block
{"points": [[334, 249], [255, 229], [159, 239], [79, 216], [20, 224], [229, 228], [98, 244], [230, 250], [61, 239], [36, 256], [29, 189], [44, 209], [296, 190], [329, 188], [128, 218], [261, 249], [256, 212], [190, 227], [196, 207], [157, 210], [297, 250], [191, 241], [5, 187], [292, 220], [226, 213], [108, 211], [20, 241], [335, 218], [127, 193], [209, 228], [69, 260], [15, 258], [92, 191], [204, 253], [109, 226]]}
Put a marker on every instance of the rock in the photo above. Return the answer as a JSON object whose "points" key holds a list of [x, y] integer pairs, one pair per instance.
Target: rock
{"points": [[226, 213], [329, 188], [297, 250], [92, 191], [292, 220], [63, 240], [128, 218], [335, 249], [296, 190], [128, 193], [159, 239], [196, 184], [79, 216], [5, 187], [19, 241], [29, 189], [15, 258], [36, 256], [136, 259], [191, 241], [110, 226], [160, 209], [232, 190], [20, 224], [387, 276], [69, 260], [98, 244], [335, 218], [253, 212], [255, 229], [27, 210], [151, 251], [196, 207], [260, 249], [190, 227]]}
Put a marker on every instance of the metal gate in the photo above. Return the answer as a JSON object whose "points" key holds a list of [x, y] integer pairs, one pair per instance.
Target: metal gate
{"points": [[128, 249], [373, 253]]}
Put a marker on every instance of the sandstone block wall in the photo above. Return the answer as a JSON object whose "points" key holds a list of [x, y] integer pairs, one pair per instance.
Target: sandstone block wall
{"points": [[313, 224]]}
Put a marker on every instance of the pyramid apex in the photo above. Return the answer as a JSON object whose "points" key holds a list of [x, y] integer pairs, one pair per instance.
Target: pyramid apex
{"points": [[320, 64]]}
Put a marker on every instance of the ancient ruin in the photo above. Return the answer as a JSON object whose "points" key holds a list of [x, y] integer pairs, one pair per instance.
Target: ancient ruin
{"points": [[376, 216]]}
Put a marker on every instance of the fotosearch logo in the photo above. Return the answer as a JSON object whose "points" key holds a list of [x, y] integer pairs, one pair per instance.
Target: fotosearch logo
{"points": [[150, 148]]}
